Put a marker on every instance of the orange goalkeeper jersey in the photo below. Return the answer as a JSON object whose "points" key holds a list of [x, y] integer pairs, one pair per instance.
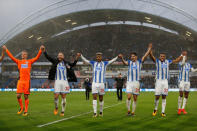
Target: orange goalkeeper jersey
{"points": [[24, 66]]}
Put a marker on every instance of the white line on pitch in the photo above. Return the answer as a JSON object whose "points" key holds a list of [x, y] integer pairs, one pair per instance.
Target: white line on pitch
{"points": [[50, 123]]}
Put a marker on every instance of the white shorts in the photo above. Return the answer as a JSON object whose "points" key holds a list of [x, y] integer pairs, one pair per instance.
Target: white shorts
{"points": [[133, 87], [98, 88], [184, 86], [61, 86], [161, 87]]}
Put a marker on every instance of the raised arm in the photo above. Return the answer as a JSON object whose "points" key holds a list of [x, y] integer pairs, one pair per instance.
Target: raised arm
{"points": [[177, 59], [193, 70], [147, 52], [38, 55], [2, 54], [10, 55], [122, 59], [152, 56], [183, 61], [48, 57], [112, 60], [84, 59], [75, 61]]}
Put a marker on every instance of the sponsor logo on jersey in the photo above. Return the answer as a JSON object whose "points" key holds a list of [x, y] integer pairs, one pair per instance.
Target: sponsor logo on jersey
{"points": [[24, 65]]}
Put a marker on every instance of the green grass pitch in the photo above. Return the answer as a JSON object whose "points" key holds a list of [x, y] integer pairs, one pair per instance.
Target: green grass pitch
{"points": [[41, 112]]}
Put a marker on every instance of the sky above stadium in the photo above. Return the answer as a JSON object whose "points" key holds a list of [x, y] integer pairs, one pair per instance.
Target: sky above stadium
{"points": [[13, 11]]}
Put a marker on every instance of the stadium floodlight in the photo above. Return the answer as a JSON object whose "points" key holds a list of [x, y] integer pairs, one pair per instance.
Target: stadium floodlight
{"points": [[150, 21], [39, 38], [74, 23], [67, 20], [31, 36], [147, 18], [187, 32]]}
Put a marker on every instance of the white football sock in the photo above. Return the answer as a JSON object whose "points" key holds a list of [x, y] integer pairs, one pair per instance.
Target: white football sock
{"points": [[179, 102], [133, 106], [128, 103], [95, 106], [184, 103], [101, 105], [156, 104], [63, 104], [163, 105], [56, 101]]}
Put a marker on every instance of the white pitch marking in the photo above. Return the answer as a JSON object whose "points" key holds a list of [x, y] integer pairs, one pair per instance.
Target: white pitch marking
{"points": [[50, 123]]}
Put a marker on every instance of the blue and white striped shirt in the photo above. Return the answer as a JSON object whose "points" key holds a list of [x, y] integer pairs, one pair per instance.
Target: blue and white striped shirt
{"points": [[99, 69], [61, 72], [162, 69], [134, 69], [184, 70]]}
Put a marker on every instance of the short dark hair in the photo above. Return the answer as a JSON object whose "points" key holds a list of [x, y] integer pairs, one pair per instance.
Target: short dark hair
{"points": [[133, 53], [25, 51], [163, 53], [61, 52]]}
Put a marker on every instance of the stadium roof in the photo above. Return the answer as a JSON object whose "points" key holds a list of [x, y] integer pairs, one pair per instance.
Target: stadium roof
{"points": [[154, 8]]}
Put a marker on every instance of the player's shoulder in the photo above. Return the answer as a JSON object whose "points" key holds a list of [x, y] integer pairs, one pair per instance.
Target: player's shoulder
{"points": [[139, 60]]}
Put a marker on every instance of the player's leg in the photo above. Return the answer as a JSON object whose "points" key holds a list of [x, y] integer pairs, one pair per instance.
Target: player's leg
{"points": [[129, 94], [101, 103], [128, 103], [19, 99], [180, 101], [95, 104], [20, 102], [63, 103], [136, 91], [134, 104], [94, 101], [86, 93], [101, 94], [56, 96], [121, 94], [117, 92], [186, 93], [157, 96], [164, 94], [163, 105], [180, 98], [156, 103], [56, 102], [26, 96]]}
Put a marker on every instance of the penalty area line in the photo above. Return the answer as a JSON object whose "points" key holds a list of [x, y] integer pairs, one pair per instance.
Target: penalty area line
{"points": [[64, 119]]}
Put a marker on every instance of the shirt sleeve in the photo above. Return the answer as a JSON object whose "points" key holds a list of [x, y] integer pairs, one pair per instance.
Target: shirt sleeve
{"points": [[85, 60], [37, 57], [92, 62], [111, 61], [11, 56]]}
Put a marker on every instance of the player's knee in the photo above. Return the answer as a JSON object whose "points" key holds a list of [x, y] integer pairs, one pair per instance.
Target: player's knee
{"points": [[18, 96], [164, 97], [26, 97]]}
